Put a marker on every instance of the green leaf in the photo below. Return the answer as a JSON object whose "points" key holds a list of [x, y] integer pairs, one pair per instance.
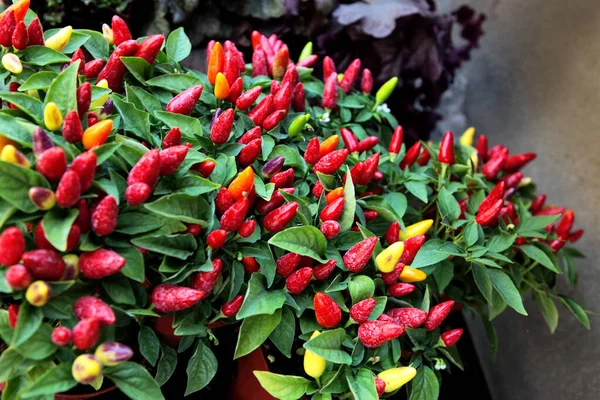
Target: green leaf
{"points": [[471, 234], [448, 205], [576, 310], [13, 364], [538, 255], [443, 275], [499, 243], [138, 67], [254, 331], [398, 203], [425, 385], [259, 300], [134, 267], [201, 368], [30, 319], [144, 99], [283, 336], [119, 289], [42, 55], [304, 240], [57, 225], [329, 346], [361, 287], [178, 246], [105, 151], [38, 346], [283, 387], [149, 345], [182, 207], [29, 105], [549, 310], [57, 379], [505, 286], [347, 218], [432, 252], [417, 189], [134, 380], [166, 365], [134, 120], [362, 385], [15, 182], [63, 90], [482, 280], [530, 224], [178, 45], [194, 185], [132, 223], [96, 44], [174, 82], [291, 154], [39, 80], [189, 126], [18, 129]]}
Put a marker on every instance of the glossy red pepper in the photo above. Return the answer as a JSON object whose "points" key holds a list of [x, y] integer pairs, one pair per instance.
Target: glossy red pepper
{"points": [[221, 129], [248, 98], [283, 99], [396, 142], [333, 211], [366, 81], [283, 178], [446, 155], [235, 91], [496, 194], [35, 33], [277, 219], [538, 203], [149, 48], [273, 120], [564, 226], [330, 92], [114, 70], [232, 308], [368, 143], [411, 156], [92, 69], [411, 248], [20, 38], [262, 110], [550, 211], [392, 232], [327, 312], [120, 30], [482, 147], [231, 69], [490, 215], [308, 61], [185, 101], [250, 152], [331, 163], [328, 68], [512, 180], [350, 76], [350, 140], [8, 25], [492, 168], [518, 161]]}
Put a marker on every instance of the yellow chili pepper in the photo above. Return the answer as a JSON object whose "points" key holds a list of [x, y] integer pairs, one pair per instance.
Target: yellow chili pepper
{"points": [[60, 39], [242, 184], [38, 293], [385, 91], [340, 77], [416, 229], [53, 119], [107, 32], [221, 86], [100, 101], [411, 275], [97, 134], [12, 155], [525, 181], [467, 138], [395, 378], [387, 260], [314, 365], [86, 369], [12, 63]]}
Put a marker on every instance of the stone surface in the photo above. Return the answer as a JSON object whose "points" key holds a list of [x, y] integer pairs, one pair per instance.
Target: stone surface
{"points": [[535, 86]]}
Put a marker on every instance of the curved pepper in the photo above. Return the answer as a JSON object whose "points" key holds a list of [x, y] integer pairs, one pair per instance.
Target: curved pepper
{"points": [[385, 91], [314, 365], [395, 378], [97, 134], [60, 39], [490, 215], [467, 137], [386, 260], [298, 125], [349, 140], [411, 275], [420, 228]]}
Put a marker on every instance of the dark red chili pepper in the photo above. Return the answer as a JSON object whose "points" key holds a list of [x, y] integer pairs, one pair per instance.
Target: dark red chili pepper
{"points": [[231, 69], [370, 166], [273, 120], [367, 143], [312, 153], [333, 211], [234, 216], [149, 48], [92, 69], [366, 81], [317, 189], [401, 289], [424, 157], [277, 219], [78, 55], [358, 255], [437, 314], [283, 178], [492, 168], [261, 111], [299, 280], [349, 140], [446, 155], [509, 214], [259, 62], [216, 239], [411, 248], [575, 236], [35, 33], [350, 76], [357, 173], [283, 99], [328, 68], [451, 337], [8, 25], [556, 245], [396, 142], [512, 180], [518, 161], [299, 98], [232, 308], [120, 30], [538, 203], [550, 211], [490, 215], [205, 281], [496, 194], [221, 129], [323, 271], [84, 98], [252, 134], [392, 233], [20, 38], [411, 156], [482, 147], [114, 70], [172, 138], [235, 91], [566, 223], [287, 264], [185, 101], [389, 278], [250, 152], [463, 207], [329, 101], [291, 76], [331, 163], [169, 298]]}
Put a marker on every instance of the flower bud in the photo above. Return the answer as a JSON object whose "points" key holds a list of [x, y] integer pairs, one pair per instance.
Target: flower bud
{"points": [[12, 63], [11, 154], [72, 269], [42, 198], [38, 293], [273, 166], [86, 369], [41, 141], [113, 353], [107, 32], [53, 118]]}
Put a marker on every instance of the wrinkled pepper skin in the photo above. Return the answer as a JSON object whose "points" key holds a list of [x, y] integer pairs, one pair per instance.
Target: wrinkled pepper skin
{"points": [[185, 101], [410, 317], [169, 298], [360, 311], [437, 315], [100, 263], [359, 255], [91, 307], [373, 334]]}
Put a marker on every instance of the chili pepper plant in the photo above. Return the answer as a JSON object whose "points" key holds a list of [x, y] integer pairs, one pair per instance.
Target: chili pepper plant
{"points": [[144, 206]]}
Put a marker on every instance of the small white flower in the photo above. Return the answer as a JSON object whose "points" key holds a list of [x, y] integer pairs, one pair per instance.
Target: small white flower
{"points": [[439, 364], [325, 117], [383, 108]]}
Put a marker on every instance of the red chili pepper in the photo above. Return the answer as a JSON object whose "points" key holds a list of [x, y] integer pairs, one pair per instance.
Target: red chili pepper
{"points": [[35, 33], [370, 167], [149, 48], [392, 233], [366, 81], [389, 278], [550, 211], [273, 120], [518, 161], [248, 98], [312, 153], [120, 30], [330, 229], [463, 207], [401, 289], [482, 147], [370, 215], [172, 138], [411, 248], [84, 98], [20, 37], [249, 152], [41, 242], [52, 163], [451, 337], [327, 312], [299, 280], [360, 311], [235, 91], [556, 245], [262, 110], [259, 62], [496, 194], [72, 130], [291, 76], [575, 236], [280, 62], [328, 68], [216, 239], [424, 157], [231, 69], [411, 156], [509, 211], [277, 219], [100, 263], [357, 173], [247, 228], [490, 215], [492, 168], [44, 264], [61, 336], [512, 180], [350, 76], [299, 98], [185, 101], [349, 140], [256, 35], [8, 25], [18, 277], [87, 307], [92, 69], [566, 223], [170, 298], [12, 246], [283, 99], [446, 155], [538, 203], [221, 129], [69, 189], [252, 134], [329, 101], [235, 215], [358, 255], [323, 271], [238, 55], [373, 334], [333, 211], [283, 179], [437, 314], [308, 61], [171, 159], [331, 163], [264, 207], [317, 189], [205, 281], [86, 334], [287, 264], [495, 149], [250, 265], [114, 70], [146, 170], [13, 315], [104, 217], [232, 308]]}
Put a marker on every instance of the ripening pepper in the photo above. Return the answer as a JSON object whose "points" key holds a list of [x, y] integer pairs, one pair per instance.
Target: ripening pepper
{"points": [[216, 239], [419, 228], [280, 62], [327, 312], [97, 134], [437, 314], [411, 248], [392, 233], [42, 198], [297, 281], [149, 48], [331, 163], [314, 365], [234, 216], [446, 154], [53, 119], [10, 154], [259, 62], [104, 217], [220, 131], [248, 98], [242, 184], [518, 161], [328, 145], [408, 316], [68, 190], [52, 164], [277, 219], [12, 246], [86, 369], [120, 30], [13, 315], [333, 211], [306, 52], [112, 353], [38, 294], [387, 260], [41, 141], [231, 308], [61, 336], [494, 165], [107, 32], [169, 298], [185, 101], [360, 311], [401, 289], [221, 89], [273, 166], [86, 333], [385, 91], [411, 156], [283, 179], [329, 101], [91, 307], [60, 39], [18, 277], [171, 159], [449, 338], [366, 81], [335, 194], [100, 263], [412, 275], [205, 281], [489, 216], [373, 334], [358, 255], [216, 62], [395, 378]]}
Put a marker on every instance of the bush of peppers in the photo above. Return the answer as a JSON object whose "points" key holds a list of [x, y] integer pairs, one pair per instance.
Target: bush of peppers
{"points": [[143, 205]]}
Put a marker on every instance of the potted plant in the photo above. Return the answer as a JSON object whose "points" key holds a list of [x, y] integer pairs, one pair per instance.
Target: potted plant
{"points": [[149, 211]]}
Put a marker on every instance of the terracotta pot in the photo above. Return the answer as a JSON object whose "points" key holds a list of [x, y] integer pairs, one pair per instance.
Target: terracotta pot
{"points": [[245, 385]]}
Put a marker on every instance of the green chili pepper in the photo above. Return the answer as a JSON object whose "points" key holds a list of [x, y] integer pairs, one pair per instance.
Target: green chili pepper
{"points": [[385, 91], [298, 124]]}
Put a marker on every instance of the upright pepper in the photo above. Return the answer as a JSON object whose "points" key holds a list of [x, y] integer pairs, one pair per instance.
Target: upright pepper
{"points": [[330, 92], [60, 39], [396, 142], [221, 86], [496, 194], [262, 110], [283, 99], [350, 76], [411, 248], [20, 37], [467, 137], [349, 140], [120, 30], [333, 211], [242, 184], [366, 81], [411, 156], [385, 91], [280, 62], [538, 203], [220, 131], [327, 312], [149, 48], [495, 164], [53, 119], [97, 134], [314, 365], [216, 62], [114, 70], [8, 23], [35, 33], [482, 147], [248, 98], [259, 62], [328, 67], [446, 155], [564, 226], [235, 91]]}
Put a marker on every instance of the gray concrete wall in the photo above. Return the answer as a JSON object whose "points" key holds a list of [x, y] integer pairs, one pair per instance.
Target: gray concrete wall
{"points": [[535, 86]]}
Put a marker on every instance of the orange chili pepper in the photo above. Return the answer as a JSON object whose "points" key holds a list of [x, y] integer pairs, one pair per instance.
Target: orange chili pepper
{"points": [[334, 195], [97, 134], [221, 86], [20, 8], [240, 187], [216, 62], [329, 145]]}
